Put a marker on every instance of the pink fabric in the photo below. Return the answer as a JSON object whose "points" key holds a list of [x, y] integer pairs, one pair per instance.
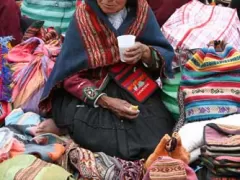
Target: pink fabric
{"points": [[190, 174], [194, 25], [229, 158], [32, 62]]}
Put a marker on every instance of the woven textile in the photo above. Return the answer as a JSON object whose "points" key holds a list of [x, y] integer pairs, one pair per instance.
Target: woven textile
{"points": [[5, 72], [210, 85], [194, 24]]}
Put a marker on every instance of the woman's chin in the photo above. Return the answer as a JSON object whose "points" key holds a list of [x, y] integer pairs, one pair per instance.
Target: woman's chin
{"points": [[107, 10]]}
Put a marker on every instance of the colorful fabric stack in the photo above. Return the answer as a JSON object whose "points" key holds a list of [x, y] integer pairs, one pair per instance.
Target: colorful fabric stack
{"points": [[28, 167], [220, 154], [169, 94], [21, 130], [6, 74], [32, 62], [210, 85]]}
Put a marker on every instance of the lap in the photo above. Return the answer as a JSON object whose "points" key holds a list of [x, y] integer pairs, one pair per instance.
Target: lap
{"points": [[98, 129]]}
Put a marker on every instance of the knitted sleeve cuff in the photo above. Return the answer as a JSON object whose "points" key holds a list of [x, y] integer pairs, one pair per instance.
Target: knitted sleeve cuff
{"points": [[155, 63]]}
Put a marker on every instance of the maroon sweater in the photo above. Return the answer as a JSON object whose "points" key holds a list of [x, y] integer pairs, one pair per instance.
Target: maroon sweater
{"points": [[10, 20], [163, 9]]}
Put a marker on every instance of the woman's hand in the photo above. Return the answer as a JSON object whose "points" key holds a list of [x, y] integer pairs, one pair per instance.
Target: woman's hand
{"points": [[120, 107], [136, 53]]}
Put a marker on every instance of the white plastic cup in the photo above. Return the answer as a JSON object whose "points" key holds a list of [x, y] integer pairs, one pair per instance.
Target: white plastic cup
{"points": [[125, 42]]}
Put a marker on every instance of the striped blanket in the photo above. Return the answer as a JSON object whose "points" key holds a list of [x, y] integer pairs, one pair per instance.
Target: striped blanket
{"points": [[54, 13], [210, 85]]}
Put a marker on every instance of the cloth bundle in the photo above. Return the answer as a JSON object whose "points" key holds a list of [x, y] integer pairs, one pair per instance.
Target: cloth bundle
{"points": [[210, 85], [195, 23], [28, 167], [220, 154], [88, 165], [32, 62], [19, 137]]}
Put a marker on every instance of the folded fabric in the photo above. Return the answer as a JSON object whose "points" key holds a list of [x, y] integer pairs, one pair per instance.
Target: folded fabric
{"points": [[222, 149], [195, 24], [28, 167], [9, 146], [89, 165], [223, 161], [222, 135], [166, 168], [32, 62], [47, 147], [169, 94], [192, 133], [220, 171], [216, 153], [210, 85], [19, 117]]}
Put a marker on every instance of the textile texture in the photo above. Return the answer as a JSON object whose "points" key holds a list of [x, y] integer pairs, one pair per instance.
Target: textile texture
{"points": [[28, 167], [31, 62], [22, 128], [166, 168], [210, 85], [169, 94], [57, 14], [89, 165], [195, 24]]}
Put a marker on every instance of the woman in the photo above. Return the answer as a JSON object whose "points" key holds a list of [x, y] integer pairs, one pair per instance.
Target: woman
{"points": [[91, 92], [10, 21], [163, 9], [56, 14]]}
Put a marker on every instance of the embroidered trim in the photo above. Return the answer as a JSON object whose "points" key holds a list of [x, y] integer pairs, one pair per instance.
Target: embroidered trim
{"points": [[90, 93]]}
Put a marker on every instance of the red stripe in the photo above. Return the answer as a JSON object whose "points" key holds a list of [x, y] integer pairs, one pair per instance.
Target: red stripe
{"points": [[212, 97], [102, 36], [190, 30], [227, 25], [213, 84], [121, 74]]}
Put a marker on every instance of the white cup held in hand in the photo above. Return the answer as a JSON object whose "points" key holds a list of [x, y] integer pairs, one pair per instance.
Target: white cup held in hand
{"points": [[125, 42]]}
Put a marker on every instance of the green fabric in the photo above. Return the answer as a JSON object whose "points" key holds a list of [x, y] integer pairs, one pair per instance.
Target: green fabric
{"points": [[54, 15], [169, 94], [9, 168]]}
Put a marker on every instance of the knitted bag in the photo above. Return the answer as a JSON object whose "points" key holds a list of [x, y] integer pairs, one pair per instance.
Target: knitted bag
{"points": [[210, 85]]}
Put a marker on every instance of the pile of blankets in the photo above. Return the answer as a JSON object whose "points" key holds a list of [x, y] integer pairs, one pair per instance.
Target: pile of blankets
{"points": [[220, 154], [18, 140]]}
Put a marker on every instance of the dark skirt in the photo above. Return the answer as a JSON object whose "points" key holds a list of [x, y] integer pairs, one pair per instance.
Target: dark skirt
{"points": [[99, 130]]}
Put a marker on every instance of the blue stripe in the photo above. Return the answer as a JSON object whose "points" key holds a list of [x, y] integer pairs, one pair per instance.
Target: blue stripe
{"points": [[205, 117], [210, 103]]}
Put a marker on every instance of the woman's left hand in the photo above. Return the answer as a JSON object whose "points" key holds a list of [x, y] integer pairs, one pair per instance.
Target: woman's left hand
{"points": [[136, 53]]}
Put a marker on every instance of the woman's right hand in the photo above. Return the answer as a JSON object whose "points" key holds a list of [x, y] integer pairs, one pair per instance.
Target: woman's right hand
{"points": [[118, 106]]}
